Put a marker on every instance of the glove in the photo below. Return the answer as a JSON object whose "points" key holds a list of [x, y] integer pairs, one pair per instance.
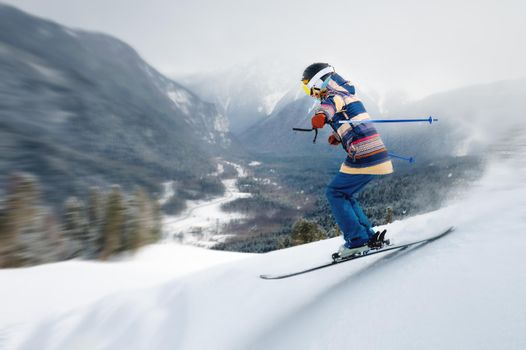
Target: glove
{"points": [[318, 121], [334, 140]]}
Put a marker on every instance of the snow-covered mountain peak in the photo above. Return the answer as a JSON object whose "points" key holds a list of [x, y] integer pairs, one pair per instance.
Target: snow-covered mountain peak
{"points": [[246, 93]]}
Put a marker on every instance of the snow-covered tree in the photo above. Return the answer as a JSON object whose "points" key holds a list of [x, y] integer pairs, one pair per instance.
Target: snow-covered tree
{"points": [[95, 219], [75, 227]]}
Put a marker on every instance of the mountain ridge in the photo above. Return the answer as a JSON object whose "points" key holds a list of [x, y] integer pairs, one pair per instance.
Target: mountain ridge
{"points": [[84, 109]]}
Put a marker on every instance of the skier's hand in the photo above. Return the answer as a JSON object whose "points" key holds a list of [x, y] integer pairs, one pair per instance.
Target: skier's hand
{"points": [[318, 121], [334, 140]]}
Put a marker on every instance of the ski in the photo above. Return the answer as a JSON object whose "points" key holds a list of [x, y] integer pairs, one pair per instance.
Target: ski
{"points": [[369, 253]]}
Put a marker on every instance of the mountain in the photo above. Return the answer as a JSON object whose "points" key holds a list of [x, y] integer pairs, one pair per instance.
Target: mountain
{"points": [[470, 119], [80, 108], [274, 134], [464, 291], [249, 94], [246, 93]]}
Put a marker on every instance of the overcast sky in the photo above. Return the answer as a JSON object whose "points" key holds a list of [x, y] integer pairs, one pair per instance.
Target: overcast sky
{"points": [[415, 46]]}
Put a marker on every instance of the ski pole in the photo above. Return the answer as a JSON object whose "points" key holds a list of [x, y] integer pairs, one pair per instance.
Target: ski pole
{"points": [[429, 120], [411, 160], [312, 129]]}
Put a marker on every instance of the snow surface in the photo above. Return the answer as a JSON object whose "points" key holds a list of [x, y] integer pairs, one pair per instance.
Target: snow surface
{"points": [[465, 291], [168, 192], [180, 98], [30, 294], [202, 222]]}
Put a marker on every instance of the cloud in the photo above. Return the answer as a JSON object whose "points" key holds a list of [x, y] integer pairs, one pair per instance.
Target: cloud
{"points": [[419, 46]]}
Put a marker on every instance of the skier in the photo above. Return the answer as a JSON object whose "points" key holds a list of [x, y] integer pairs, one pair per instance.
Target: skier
{"points": [[367, 156]]}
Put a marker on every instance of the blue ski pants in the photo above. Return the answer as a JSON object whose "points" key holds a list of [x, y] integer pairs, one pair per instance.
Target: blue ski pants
{"points": [[347, 211]]}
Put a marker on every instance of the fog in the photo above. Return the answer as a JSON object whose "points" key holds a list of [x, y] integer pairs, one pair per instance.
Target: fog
{"points": [[413, 48]]}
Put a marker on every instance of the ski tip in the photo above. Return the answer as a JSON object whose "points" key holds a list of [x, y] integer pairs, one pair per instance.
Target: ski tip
{"points": [[268, 277], [447, 231], [272, 278]]}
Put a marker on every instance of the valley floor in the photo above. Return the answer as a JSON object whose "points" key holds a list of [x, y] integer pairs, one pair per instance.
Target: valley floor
{"points": [[201, 224]]}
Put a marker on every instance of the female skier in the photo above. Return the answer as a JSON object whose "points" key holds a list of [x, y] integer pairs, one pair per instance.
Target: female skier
{"points": [[367, 156]]}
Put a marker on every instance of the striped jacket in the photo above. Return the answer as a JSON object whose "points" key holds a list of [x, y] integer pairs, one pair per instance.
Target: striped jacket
{"points": [[366, 151]]}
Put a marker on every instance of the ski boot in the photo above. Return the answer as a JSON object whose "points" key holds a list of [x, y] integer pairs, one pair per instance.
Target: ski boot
{"points": [[378, 240], [346, 253]]}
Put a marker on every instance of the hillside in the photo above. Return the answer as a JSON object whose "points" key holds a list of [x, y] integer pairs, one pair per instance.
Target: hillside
{"points": [[293, 110], [244, 93], [464, 291], [469, 119], [80, 109]]}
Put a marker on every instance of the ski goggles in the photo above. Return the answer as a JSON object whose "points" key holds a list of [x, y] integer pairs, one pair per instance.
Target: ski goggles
{"points": [[316, 82], [305, 87]]}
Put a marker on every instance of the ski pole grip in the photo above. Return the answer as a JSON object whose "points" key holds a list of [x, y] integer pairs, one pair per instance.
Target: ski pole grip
{"points": [[301, 129], [312, 129]]}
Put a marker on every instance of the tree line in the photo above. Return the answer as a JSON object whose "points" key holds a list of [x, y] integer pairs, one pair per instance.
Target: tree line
{"points": [[103, 224]]}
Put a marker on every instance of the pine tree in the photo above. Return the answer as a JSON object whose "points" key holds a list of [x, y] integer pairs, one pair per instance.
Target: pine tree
{"points": [[7, 238], [54, 248], [137, 219], [144, 220], [305, 231], [334, 232], [389, 215], [95, 220], [157, 222], [113, 227], [20, 221], [284, 242], [75, 227]]}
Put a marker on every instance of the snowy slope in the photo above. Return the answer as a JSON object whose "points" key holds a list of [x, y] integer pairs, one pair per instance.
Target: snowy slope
{"points": [[30, 294], [465, 291]]}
